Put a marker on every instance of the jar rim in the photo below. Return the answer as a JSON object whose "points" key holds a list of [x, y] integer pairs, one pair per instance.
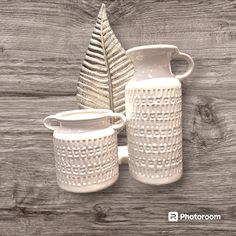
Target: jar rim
{"points": [[82, 114]]}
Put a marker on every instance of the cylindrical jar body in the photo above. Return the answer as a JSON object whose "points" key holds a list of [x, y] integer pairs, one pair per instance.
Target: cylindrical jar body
{"points": [[88, 162], [154, 131]]}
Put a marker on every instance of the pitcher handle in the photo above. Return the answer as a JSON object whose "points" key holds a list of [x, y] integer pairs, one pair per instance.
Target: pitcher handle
{"points": [[190, 62], [122, 120], [51, 122]]}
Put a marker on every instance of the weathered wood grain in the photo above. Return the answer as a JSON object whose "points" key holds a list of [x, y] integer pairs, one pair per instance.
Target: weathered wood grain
{"points": [[30, 196], [42, 44]]}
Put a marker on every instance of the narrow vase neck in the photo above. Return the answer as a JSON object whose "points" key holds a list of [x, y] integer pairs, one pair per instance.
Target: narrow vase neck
{"points": [[153, 66], [152, 61]]}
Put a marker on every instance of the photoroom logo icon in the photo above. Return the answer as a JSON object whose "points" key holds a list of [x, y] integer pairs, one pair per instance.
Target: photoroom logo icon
{"points": [[173, 216]]}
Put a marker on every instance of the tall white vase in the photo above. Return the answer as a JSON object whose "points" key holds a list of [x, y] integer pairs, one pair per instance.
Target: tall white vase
{"points": [[154, 111]]}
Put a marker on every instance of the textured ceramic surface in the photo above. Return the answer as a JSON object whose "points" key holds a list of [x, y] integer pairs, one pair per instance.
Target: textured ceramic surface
{"points": [[105, 71], [154, 111], [85, 148]]}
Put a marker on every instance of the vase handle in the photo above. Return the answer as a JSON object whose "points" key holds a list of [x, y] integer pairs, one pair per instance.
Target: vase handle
{"points": [[51, 122], [122, 120], [190, 62]]}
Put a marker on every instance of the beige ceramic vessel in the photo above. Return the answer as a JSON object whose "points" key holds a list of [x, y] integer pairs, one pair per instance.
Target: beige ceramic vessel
{"points": [[154, 112], [85, 148]]}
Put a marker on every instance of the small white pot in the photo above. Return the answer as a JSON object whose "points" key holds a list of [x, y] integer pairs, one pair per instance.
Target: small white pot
{"points": [[85, 148]]}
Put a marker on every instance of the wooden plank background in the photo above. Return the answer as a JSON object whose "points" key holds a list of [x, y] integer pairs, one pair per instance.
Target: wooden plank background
{"points": [[42, 45]]}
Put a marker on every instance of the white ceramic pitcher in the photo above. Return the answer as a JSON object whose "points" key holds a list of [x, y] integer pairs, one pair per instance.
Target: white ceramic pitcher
{"points": [[85, 148], [154, 112]]}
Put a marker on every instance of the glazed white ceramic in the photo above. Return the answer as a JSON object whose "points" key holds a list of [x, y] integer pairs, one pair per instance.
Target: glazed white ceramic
{"points": [[153, 112], [85, 148]]}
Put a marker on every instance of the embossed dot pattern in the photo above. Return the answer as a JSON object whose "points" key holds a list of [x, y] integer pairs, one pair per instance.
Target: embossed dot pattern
{"points": [[154, 131], [86, 162]]}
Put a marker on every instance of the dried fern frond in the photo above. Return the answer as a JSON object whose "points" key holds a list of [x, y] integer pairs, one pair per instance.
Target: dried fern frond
{"points": [[105, 71]]}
